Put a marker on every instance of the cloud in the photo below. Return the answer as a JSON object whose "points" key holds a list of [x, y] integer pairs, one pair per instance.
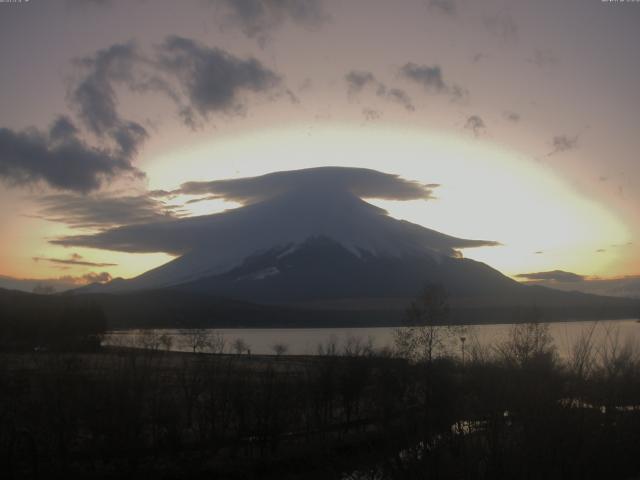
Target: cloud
{"points": [[563, 143], [477, 57], [86, 3], [357, 81], [75, 259], [511, 116], [554, 276], [104, 210], [398, 95], [229, 231], [95, 100], [59, 158], [543, 58], [628, 286], [258, 19], [371, 115], [432, 80], [92, 277], [212, 78], [51, 285], [502, 25], [475, 124], [199, 80], [363, 182], [446, 7]]}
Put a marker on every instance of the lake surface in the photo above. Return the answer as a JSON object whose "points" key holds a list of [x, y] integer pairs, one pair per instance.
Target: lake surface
{"points": [[306, 341]]}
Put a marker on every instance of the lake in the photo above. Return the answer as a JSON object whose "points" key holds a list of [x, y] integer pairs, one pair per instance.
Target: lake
{"points": [[305, 341]]}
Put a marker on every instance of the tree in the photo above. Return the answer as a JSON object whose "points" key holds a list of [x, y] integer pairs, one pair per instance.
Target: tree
{"points": [[197, 339], [280, 349], [240, 346], [528, 342], [427, 331], [216, 342], [166, 341]]}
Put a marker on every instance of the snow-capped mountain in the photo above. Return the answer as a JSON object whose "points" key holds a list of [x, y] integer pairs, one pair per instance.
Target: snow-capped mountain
{"points": [[306, 249], [284, 228]]}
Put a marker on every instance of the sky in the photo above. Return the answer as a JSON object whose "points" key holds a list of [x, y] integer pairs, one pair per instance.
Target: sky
{"points": [[521, 115]]}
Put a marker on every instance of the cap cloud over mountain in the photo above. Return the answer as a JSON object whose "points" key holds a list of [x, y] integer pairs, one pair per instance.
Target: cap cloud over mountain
{"points": [[281, 209]]}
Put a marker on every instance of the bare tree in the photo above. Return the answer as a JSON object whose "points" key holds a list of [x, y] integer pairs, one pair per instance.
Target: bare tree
{"points": [[427, 332], [528, 342], [216, 342], [166, 341], [240, 346], [197, 339], [280, 349], [149, 339], [358, 347], [329, 348]]}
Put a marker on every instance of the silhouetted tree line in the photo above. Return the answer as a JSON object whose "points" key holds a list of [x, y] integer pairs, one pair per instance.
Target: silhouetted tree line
{"points": [[29, 322], [510, 411]]}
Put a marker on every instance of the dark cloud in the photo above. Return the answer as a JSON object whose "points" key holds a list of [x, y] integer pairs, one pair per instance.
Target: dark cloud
{"points": [[85, 3], [371, 114], [563, 143], [554, 275], [475, 124], [213, 79], [93, 277], [102, 210], [59, 158], [427, 76], [75, 260], [362, 182], [543, 58], [357, 81], [511, 116], [628, 286], [200, 80], [478, 57], [398, 95], [431, 78], [446, 7], [95, 100], [258, 19], [271, 203], [502, 25]]}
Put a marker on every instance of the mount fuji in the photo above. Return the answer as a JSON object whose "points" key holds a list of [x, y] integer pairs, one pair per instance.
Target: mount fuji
{"points": [[307, 238]]}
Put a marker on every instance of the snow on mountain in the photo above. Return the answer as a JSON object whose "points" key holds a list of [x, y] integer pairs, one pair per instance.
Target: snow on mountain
{"points": [[286, 220]]}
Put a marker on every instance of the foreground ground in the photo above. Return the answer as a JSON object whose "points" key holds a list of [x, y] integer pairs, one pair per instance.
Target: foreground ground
{"points": [[510, 412]]}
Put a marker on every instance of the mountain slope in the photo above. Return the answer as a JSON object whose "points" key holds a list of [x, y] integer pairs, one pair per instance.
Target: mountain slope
{"points": [[322, 268], [287, 221]]}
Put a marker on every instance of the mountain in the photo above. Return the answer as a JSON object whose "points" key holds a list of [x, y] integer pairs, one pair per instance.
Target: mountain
{"points": [[311, 217], [312, 244], [321, 268]]}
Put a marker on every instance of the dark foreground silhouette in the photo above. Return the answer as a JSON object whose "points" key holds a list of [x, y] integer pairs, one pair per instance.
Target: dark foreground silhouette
{"points": [[514, 411]]}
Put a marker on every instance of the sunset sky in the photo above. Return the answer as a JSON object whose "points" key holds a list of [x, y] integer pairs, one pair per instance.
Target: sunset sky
{"points": [[523, 113]]}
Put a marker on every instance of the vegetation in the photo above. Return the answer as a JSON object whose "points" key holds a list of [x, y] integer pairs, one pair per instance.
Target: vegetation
{"points": [[511, 411], [514, 410], [34, 322]]}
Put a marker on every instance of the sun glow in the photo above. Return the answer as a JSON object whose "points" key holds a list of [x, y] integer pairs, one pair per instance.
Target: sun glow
{"points": [[487, 191]]}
